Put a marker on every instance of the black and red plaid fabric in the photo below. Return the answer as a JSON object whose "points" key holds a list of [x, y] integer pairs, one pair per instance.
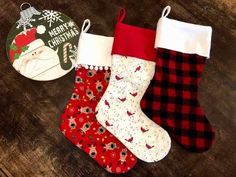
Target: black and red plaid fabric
{"points": [[172, 99]]}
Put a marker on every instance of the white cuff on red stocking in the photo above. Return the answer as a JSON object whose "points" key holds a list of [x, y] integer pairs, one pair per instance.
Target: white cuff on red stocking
{"points": [[95, 47]]}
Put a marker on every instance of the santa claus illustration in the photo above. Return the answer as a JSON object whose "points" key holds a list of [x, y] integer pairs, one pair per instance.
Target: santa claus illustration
{"points": [[32, 58]]}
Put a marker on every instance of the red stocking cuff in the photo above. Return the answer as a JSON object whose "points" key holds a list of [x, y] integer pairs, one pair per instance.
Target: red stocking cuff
{"points": [[134, 41]]}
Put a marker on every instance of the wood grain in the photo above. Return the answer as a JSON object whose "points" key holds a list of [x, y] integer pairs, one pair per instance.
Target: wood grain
{"points": [[30, 141]]}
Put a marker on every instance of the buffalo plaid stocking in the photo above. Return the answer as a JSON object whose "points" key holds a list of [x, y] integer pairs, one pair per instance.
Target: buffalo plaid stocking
{"points": [[172, 97], [78, 122]]}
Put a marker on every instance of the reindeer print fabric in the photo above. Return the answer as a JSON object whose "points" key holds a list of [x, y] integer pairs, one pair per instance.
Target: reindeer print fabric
{"points": [[120, 113], [79, 125]]}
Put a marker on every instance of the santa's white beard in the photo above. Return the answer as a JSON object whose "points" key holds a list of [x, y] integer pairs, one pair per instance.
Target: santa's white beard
{"points": [[37, 62], [47, 54]]}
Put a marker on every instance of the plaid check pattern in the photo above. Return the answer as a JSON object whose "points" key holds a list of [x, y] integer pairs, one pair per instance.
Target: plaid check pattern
{"points": [[172, 99]]}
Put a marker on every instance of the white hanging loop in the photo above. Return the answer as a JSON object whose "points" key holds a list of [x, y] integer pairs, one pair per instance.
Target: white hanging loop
{"points": [[24, 3], [166, 11], [86, 25]]}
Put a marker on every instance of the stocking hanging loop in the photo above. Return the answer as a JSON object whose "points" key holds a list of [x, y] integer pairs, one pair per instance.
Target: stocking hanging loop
{"points": [[121, 15], [24, 3], [86, 25], [166, 11]]}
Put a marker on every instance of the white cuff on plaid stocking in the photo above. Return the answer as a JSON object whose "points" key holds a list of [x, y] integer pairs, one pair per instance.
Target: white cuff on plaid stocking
{"points": [[183, 37]]}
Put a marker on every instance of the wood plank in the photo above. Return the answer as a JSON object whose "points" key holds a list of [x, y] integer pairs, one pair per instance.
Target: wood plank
{"points": [[30, 141]]}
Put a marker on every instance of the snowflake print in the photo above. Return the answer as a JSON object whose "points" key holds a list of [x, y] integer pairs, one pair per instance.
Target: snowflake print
{"points": [[51, 16], [71, 24], [73, 52], [24, 24], [113, 155]]}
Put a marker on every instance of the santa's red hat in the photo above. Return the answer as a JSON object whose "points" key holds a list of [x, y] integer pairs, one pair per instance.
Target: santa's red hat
{"points": [[26, 42]]}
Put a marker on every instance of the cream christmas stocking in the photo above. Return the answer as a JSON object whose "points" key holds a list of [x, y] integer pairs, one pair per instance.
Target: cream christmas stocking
{"points": [[133, 67]]}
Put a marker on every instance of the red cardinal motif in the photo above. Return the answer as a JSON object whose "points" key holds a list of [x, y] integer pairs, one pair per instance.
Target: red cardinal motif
{"points": [[107, 103], [118, 78], [129, 113], [108, 124], [144, 130], [134, 94], [149, 147], [122, 99], [130, 139], [137, 69]]}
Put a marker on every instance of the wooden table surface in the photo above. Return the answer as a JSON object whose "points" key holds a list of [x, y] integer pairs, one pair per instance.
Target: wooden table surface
{"points": [[31, 143]]}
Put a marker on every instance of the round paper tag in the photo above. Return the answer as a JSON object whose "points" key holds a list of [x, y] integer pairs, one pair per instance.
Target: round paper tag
{"points": [[42, 45]]}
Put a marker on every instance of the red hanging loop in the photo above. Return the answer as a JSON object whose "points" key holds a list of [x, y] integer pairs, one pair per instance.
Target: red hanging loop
{"points": [[121, 15]]}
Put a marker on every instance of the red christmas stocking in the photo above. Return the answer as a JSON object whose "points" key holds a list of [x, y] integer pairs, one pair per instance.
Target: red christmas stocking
{"points": [[172, 97], [78, 122]]}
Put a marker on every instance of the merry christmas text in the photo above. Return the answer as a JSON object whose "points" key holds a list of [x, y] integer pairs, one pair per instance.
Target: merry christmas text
{"points": [[61, 34]]}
